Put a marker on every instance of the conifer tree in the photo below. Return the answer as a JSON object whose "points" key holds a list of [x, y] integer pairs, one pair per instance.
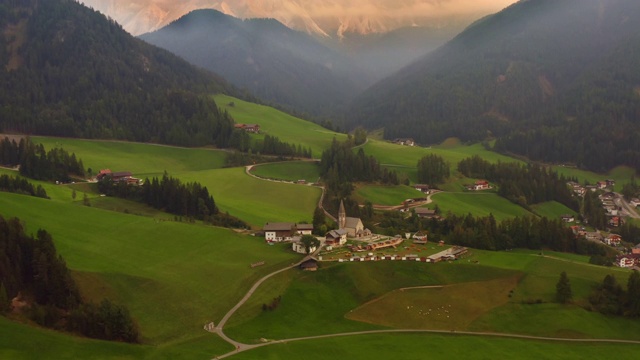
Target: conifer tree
{"points": [[563, 289]]}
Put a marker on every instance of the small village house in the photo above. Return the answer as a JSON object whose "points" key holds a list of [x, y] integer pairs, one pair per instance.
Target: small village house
{"points": [[285, 231], [336, 237], [613, 240]]}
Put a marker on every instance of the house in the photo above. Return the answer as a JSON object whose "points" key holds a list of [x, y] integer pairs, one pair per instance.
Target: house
{"points": [[615, 221], [568, 218], [298, 246], [353, 226], [336, 237], [636, 249], [634, 202], [252, 128], [452, 253], [479, 185], [405, 142], [284, 231], [120, 176], [610, 182], [578, 230], [421, 237], [601, 185], [309, 264], [422, 187], [613, 240], [628, 260], [425, 213]]}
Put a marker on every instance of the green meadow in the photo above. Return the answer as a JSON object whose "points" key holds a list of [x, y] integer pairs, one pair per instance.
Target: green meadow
{"points": [[477, 203], [551, 210], [257, 201], [141, 159], [289, 171], [274, 122], [386, 195]]}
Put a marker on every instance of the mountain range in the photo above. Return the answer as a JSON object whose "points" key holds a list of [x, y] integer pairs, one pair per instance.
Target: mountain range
{"points": [[275, 63], [325, 18]]}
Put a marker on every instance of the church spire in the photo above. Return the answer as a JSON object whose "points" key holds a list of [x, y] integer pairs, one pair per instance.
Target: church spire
{"points": [[342, 216]]}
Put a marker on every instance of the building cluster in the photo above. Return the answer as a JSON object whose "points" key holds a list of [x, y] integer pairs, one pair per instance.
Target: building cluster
{"points": [[580, 190], [629, 260], [404, 142], [118, 177], [479, 186], [453, 253], [251, 128]]}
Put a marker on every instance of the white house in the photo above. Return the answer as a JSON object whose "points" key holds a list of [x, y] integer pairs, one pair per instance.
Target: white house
{"points": [[298, 246]]}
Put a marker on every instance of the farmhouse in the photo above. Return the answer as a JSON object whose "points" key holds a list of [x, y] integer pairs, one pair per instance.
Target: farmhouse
{"points": [[636, 249], [568, 218], [425, 213], [252, 128], [422, 187], [405, 142], [479, 185], [353, 226], [336, 237], [299, 247], [284, 231], [120, 176]]}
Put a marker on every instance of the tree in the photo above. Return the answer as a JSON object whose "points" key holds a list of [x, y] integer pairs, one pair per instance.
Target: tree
{"points": [[4, 298], [85, 200], [633, 292], [73, 194], [309, 242], [318, 220], [563, 289]]}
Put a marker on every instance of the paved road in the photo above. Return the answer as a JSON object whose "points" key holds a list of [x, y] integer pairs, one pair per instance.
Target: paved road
{"points": [[630, 210]]}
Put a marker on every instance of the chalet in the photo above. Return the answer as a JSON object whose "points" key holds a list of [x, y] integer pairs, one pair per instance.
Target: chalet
{"points": [[252, 128], [405, 142], [628, 260], [568, 218], [425, 213], [578, 230], [601, 185], [634, 202], [422, 187], [591, 188], [120, 176], [336, 237], [284, 231], [479, 185], [309, 264], [613, 240], [636, 249], [298, 246]]}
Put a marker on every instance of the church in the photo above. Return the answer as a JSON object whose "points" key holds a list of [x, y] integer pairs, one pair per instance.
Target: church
{"points": [[353, 226]]}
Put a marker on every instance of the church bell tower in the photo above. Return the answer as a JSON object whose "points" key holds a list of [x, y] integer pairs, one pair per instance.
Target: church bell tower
{"points": [[342, 216]]}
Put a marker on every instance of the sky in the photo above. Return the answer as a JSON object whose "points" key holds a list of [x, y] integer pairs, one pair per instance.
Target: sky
{"points": [[139, 16]]}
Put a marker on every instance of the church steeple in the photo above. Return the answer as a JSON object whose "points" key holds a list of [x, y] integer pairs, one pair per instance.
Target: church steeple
{"points": [[342, 216]]}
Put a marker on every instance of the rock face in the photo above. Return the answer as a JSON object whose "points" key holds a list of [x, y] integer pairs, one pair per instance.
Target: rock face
{"points": [[327, 18]]}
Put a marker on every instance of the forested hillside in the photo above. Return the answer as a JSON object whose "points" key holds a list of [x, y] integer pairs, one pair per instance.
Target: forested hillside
{"points": [[69, 71], [557, 80], [276, 63]]}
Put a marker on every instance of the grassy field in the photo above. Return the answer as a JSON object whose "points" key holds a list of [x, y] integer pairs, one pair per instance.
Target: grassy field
{"points": [[174, 277], [621, 174], [478, 204], [289, 171], [421, 346], [552, 210], [273, 122], [386, 195], [141, 159], [257, 201]]}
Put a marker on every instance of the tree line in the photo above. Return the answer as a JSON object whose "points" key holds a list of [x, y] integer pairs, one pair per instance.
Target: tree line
{"points": [[16, 184], [270, 145], [433, 169], [31, 269], [191, 199], [524, 185], [37, 163]]}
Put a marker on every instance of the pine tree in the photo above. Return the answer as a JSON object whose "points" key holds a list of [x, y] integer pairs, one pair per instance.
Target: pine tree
{"points": [[4, 298], [633, 291], [563, 289]]}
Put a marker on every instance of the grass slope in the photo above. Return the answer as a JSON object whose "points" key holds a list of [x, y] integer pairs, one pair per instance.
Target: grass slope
{"points": [[174, 277], [141, 159], [289, 171], [478, 204], [386, 195], [273, 122], [551, 210], [257, 201]]}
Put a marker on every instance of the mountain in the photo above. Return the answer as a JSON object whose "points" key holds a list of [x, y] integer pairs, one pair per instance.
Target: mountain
{"points": [[555, 80], [325, 18], [275, 63], [69, 71]]}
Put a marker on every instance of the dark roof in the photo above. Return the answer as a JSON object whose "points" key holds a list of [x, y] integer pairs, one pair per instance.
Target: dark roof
{"points": [[281, 226], [425, 211], [120, 174], [304, 226]]}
